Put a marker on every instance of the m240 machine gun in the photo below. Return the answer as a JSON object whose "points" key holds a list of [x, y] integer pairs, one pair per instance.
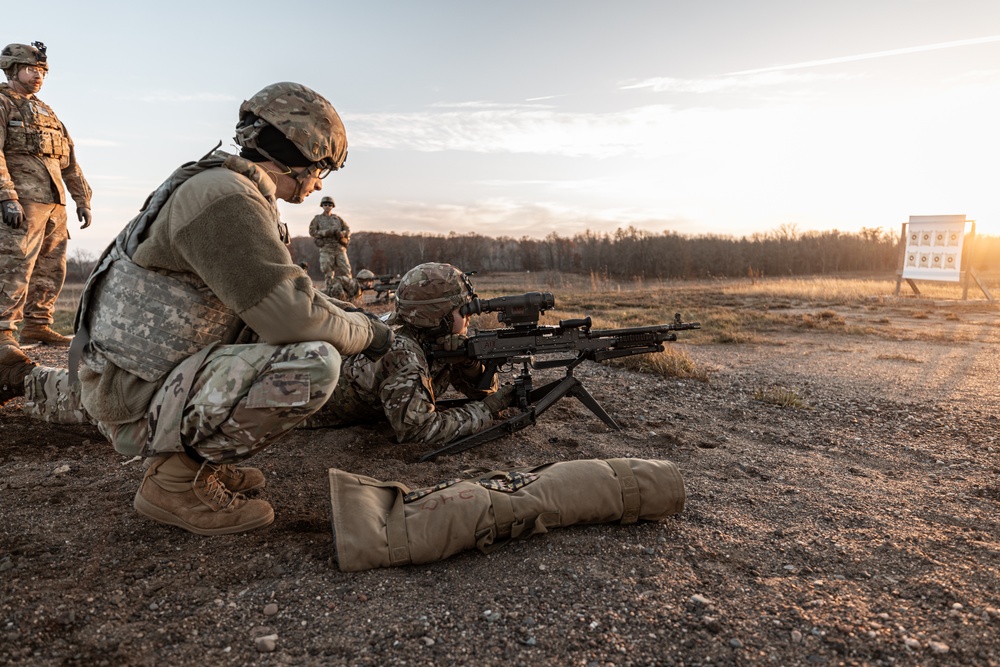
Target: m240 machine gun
{"points": [[523, 339]]}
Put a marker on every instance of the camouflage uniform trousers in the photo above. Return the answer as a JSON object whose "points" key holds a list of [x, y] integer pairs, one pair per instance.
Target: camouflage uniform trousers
{"points": [[334, 264], [242, 398], [32, 265]]}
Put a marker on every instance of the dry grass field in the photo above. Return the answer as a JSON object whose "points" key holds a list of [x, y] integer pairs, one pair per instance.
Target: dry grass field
{"points": [[838, 444]]}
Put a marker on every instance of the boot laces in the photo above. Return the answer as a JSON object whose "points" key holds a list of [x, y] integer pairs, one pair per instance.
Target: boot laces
{"points": [[214, 490], [230, 472]]}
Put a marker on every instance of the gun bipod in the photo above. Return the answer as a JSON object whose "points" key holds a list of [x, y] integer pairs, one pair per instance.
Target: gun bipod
{"points": [[539, 400]]}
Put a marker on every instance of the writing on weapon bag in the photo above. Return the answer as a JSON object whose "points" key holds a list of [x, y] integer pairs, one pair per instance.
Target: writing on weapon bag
{"points": [[439, 500]]}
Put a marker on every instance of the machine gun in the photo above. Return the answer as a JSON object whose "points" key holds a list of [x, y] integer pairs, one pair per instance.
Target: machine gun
{"points": [[518, 343], [385, 287]]}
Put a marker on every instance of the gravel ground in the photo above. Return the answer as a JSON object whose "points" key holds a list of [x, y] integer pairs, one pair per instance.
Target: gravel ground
{"points": [[842, 510]]}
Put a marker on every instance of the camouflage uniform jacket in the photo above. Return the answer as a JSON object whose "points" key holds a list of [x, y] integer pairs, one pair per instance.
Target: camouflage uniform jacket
{"points": [[219, 231], [330, 229], [37, 153], [402, 387]]}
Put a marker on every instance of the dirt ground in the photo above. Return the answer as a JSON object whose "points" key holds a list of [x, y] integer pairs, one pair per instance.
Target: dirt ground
{"points": [[842, 509]]}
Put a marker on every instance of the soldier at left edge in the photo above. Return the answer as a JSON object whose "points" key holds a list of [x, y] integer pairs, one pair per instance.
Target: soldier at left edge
{"points": [[36, 157]]}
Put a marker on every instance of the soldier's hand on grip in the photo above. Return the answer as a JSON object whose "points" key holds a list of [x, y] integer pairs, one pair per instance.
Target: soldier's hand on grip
{"points": [[382, 338], [453, 343], [500, 400], [13, 214], [83, 215]]}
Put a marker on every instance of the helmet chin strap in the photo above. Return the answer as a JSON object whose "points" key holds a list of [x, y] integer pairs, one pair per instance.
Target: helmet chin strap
{"points": [[299, 195]]}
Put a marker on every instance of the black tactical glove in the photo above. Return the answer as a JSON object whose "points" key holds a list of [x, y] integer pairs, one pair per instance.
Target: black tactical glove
{"points": [[13, 214], [382, 338], [83, 215], [500, 400]]}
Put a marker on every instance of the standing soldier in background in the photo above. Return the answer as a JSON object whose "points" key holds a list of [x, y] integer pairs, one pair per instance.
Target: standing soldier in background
{"points": [[36, 156], [333, 236]]}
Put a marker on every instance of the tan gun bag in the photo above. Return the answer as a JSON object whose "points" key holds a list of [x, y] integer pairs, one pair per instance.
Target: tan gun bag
{"points": [[381, 524]]}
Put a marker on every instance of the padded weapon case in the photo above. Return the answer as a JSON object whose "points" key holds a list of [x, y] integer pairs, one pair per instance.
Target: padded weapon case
{"points": [[382, 524]]}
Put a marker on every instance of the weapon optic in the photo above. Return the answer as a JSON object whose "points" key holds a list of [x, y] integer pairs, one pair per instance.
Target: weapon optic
{"points": [[565, 345]]}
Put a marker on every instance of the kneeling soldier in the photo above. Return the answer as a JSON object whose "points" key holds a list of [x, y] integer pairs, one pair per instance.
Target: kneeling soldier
{"points": [[161, 329]]}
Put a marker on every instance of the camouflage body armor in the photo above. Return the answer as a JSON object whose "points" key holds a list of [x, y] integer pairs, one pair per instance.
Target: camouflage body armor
{"points": [[146, 322], [34, 129]]}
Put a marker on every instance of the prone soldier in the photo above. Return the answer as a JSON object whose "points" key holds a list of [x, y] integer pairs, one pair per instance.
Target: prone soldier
{"points": [[402, 387]]}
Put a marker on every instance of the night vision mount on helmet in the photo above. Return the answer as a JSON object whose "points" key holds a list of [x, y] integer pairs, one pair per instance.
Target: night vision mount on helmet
{"points": [[23, 54]]}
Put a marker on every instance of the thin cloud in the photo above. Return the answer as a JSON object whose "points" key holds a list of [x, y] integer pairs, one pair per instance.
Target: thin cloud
{"points": [[518, 130], [717, 84], [182, 98], [873, 55]]}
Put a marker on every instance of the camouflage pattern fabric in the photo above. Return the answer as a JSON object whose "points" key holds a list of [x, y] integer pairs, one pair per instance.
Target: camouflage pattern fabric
{"points": [[343, 288], [232, 402], [428, 292], [148, 322], [332, 235], [32, 265], [304, 116], [38, 154], [402, 387], [23, 54], [49, 396]]}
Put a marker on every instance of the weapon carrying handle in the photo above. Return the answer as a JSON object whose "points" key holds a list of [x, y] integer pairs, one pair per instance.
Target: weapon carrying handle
{"points": [[580, 323]]}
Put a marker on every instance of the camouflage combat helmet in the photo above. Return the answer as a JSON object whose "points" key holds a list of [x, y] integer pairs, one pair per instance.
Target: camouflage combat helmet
{"points": [[327, 200], [428, 293], [302, 115], [365, 274], [22, 54]]}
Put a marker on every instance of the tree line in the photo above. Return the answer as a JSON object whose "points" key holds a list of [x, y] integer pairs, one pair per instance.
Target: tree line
{"points": [[625, 253], [630, 253]]}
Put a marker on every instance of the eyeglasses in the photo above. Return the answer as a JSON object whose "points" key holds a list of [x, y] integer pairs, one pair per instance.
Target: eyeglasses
{"points": [[321, 169], [34, 69]]}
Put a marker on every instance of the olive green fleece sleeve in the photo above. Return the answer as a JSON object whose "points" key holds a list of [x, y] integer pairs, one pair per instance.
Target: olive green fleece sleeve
{"points": [[234, 246], [295, 312]]}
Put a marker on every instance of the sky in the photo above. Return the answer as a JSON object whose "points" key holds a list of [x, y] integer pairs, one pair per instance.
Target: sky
{"points": [[527, 118]]}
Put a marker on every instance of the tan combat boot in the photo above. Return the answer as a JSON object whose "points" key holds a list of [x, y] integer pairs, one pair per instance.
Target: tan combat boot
{"points": [[239, 479], [43, 333], [236, 479], [178, 491], [7, 338], [14, 367]]}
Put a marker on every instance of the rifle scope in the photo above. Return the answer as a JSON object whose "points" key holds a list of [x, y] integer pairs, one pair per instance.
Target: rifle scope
{"points": [[513, 310]]}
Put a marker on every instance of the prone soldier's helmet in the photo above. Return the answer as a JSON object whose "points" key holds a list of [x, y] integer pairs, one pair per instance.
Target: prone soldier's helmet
{"points": [[427, 295], [326, 200], [302, 116], [13, 55], [365, 274]]}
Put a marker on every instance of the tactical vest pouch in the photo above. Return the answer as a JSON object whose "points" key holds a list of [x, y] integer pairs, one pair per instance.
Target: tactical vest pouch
{"points": [[50, 396], [381, 524], [147, 322]]}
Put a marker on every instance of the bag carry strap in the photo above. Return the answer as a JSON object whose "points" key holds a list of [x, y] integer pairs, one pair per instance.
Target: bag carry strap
{"points": [[395, 532], [630, 489]]}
